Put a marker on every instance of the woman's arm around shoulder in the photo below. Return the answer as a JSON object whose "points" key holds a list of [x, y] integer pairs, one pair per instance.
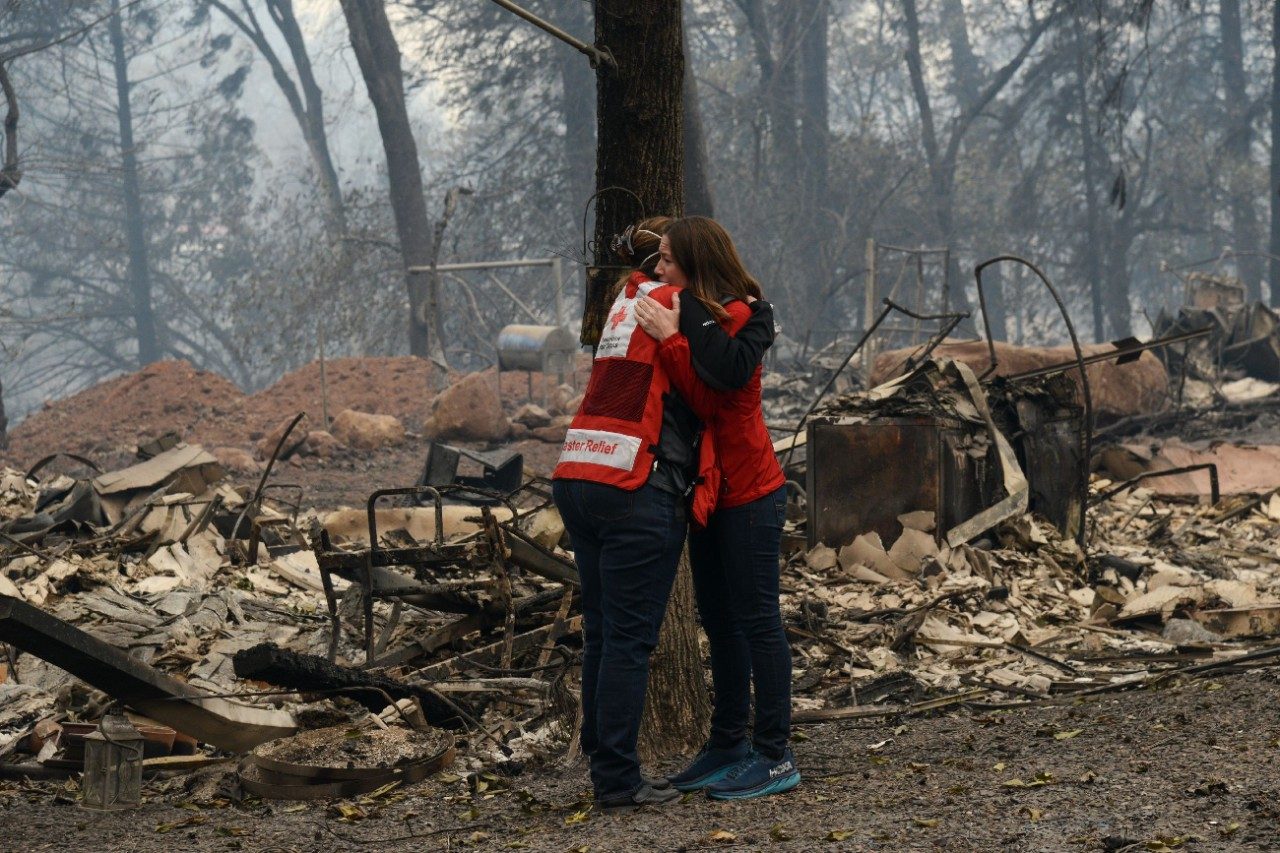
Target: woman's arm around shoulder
{"points": [[727, 359]]}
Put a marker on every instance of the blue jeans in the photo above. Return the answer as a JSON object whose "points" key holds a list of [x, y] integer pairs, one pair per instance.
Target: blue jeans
{"points": [[735, 577], [627, 546]]}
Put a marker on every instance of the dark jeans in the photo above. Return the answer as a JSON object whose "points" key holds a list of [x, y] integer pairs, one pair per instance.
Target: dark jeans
{"points": [[627, 546], [735, 576]]}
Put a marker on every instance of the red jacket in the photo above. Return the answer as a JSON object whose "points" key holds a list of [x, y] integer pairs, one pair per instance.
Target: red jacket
{"points": [[734, 421], [613, 435]]}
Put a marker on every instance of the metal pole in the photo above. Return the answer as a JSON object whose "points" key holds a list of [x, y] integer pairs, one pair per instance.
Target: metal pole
{"points": [[324, 386], [557, 271], [870, 313], [595, 54], [487, 265]]}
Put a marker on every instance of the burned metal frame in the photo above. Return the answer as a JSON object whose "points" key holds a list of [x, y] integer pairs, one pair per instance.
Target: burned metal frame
{"points": [[1214, 493], [358, 565], [952, 320], [1086, 433]]}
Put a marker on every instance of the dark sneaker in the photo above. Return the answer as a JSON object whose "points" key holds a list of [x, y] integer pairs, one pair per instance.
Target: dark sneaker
{"points": [[757, 776], [645, 795], [659, 783], [709, 767]]}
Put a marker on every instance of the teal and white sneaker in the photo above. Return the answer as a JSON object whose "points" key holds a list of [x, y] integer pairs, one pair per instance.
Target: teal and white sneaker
{"points": [[757, 776], [710, 766]]}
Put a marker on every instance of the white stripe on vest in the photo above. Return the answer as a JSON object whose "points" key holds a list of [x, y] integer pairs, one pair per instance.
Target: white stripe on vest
{"points": [[597, 447]]}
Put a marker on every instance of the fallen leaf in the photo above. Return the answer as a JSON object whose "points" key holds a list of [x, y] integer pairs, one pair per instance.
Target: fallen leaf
{"points": [[778, 832], [577, 817], [925, 822], [998, 766], [1067, 735], [722, 836], [839, 835], [350, 812], [1032, 814]]}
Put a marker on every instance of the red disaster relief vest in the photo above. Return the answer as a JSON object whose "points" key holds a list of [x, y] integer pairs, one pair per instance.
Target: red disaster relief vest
{"points": [[613, 435]]}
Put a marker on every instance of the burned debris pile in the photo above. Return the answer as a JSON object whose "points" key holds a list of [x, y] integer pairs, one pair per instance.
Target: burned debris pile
{"points": [[226, 619], [972, 530]]}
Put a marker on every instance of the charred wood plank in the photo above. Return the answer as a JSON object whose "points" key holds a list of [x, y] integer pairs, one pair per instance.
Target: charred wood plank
{"points": [[295, 671], [214, 720]]}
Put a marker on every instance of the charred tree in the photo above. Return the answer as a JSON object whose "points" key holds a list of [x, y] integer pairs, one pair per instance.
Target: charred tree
{"points": [[941, 155], [697, 183], [1091, 253], [1275, 158], [378, 54], [10, 174], [966, 83], [677, 707], [134, 225], [639, 132], [815, 156], [303, 96], [1238, 146]]}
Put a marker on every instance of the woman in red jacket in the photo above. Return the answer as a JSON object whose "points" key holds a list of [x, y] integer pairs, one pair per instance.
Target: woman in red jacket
{"points": [[735, 558]]}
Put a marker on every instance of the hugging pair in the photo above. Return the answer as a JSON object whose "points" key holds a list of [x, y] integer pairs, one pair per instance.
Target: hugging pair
{"points": [[670, 442]]}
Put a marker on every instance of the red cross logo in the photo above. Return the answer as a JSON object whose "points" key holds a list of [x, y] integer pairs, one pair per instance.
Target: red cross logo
{"points": [[616, 320]]}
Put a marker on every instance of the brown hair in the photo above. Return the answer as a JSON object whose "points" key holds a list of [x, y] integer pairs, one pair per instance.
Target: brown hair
{"points": [[705, 252]]}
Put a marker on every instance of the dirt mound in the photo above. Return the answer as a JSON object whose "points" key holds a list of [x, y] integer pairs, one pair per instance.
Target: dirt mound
{"points": [[109, 419], [391, 385]]}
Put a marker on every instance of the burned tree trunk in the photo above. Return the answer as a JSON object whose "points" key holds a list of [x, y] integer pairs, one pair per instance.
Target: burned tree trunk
{"points": [[677, 707], [697, 184], [304, 98], [10, 174], [379, 57], [639, 132], [1275, 158], [1238, 147], [577, 109], [135, 227]]}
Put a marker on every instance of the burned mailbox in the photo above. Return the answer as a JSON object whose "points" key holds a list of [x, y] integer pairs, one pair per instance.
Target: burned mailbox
{"points": [[863, 474], [541, 349]]}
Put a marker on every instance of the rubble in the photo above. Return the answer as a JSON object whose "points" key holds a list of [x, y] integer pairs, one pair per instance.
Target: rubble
{"points": [[954, 564], [1119, 390]]}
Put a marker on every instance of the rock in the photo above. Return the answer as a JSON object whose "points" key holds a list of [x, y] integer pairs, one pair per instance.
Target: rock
{"points": [[237, 459], [268, 442], [553, 433], [364, 431], [821, 558], [1184, 631], [469, 410], [320, 443], [532, 416], [561, 400]]}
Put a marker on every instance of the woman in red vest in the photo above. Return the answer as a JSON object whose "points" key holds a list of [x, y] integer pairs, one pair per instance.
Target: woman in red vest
{"points": [[620, 485], [735, 557]]}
